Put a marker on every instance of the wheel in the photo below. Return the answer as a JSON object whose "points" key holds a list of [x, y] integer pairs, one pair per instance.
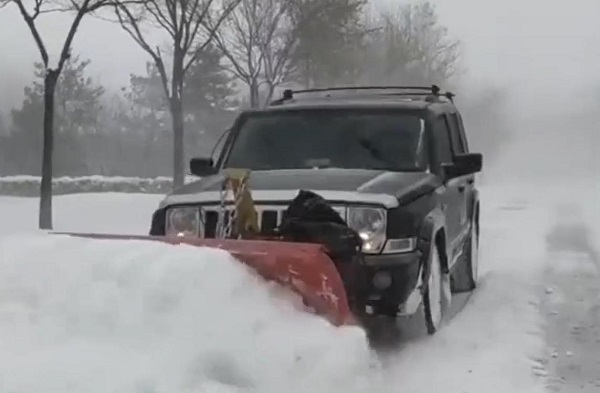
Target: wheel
{"points": [[467, 273], [435, 294]]}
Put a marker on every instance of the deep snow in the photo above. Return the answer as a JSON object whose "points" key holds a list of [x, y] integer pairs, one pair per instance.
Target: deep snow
{"points": [[114, 316], [79, 315]]}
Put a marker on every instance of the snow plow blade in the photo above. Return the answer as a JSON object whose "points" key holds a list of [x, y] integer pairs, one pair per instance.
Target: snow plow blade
{"points": [[305, 268]]}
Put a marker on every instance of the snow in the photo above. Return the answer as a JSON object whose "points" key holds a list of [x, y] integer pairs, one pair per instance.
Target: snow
{"points": [[65, 179], [94, 316], [571, 302], [115, 316], [90, 178], [25, 185], [493, 343], [78, 315], [102, 212]]}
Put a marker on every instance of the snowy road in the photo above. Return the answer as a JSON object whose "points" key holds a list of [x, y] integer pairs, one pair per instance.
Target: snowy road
{"points": [[571, 305], [100, 316]]}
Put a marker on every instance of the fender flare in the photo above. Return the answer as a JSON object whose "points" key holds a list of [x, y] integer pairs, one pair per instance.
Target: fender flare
{"points": [[432, 233], [158, 223]]}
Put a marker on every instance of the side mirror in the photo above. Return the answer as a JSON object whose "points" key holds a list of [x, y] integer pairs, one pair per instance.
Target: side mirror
{"points": [[202, 167], [464, 164]]}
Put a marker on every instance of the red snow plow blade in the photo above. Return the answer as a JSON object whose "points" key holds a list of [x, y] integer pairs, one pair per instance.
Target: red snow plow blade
{"points": [[302, 267]]}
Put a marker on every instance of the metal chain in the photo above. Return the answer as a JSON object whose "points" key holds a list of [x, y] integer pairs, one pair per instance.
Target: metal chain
{"points": [[231, 218], [219, 233], [224, 229], [238, 198]]}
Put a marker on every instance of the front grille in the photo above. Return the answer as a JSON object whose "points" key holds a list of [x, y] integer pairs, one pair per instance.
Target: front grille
{"points": [[269, 217]]}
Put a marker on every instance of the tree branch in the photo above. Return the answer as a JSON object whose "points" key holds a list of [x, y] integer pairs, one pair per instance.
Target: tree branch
{"points": [[30, 21], [66, 50], [212, 31], [161, 19]]}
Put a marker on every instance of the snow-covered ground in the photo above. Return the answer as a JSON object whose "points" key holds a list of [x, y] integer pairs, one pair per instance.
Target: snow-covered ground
{"points": [[78, 315], [103, 212]]}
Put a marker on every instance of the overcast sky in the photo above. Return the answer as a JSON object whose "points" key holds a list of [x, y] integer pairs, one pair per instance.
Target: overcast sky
{"points": [[527, 44]]}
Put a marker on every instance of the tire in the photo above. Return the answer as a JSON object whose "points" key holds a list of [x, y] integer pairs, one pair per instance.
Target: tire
{"points": [[467, 273], [435, 296]]}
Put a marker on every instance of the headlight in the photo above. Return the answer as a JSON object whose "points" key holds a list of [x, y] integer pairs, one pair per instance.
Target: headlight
{"points": [[370, 223], [183, 221]]}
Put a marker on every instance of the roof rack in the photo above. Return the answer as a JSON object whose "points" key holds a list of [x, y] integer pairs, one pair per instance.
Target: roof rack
{"points": [[431, 93]]}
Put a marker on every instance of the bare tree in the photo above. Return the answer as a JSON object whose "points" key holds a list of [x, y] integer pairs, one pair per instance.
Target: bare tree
{"points": [[79, 8], [411, 46], [183, 21], [277, 43], [258, 42]]}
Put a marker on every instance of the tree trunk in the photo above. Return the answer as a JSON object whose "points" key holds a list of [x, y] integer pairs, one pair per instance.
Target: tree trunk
{"points": [[254, 95], [45, 214], [178, 151], [177, 118], [307, 73], [270, 94]]}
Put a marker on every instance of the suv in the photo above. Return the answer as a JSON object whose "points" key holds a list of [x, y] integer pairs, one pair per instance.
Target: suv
{"points": [[392, 161]]}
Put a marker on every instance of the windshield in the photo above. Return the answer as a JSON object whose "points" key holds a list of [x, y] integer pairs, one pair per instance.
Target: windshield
{"points": [[366, 139]]}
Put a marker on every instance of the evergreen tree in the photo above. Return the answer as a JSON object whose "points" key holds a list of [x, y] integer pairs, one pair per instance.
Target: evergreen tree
{"points": [[211, 107], [408, 46], [190, 27], [331, 38], [6, 157], [77, 110], [209, 110]]}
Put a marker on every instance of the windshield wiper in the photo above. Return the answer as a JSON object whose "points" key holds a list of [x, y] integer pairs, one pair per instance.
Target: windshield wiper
{"points": [[375, 152]]}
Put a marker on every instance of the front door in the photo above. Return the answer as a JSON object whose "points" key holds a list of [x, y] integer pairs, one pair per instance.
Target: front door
{"points": [[465, 184], [451, 196]]}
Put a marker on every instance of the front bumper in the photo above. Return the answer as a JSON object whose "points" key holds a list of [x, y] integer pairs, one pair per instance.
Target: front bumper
{"points": [[400, 297], [403, 286]]}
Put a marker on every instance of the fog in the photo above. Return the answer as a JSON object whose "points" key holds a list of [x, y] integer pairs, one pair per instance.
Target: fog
{"points": [[545, 55], [529, 90]]}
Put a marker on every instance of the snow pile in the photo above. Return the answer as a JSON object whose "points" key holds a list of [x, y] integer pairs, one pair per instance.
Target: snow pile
{"points": [[30, 185], [80, 315]]}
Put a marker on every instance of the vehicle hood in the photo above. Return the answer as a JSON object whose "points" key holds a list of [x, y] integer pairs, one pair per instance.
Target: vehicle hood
{"points": [[324, 181]]}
